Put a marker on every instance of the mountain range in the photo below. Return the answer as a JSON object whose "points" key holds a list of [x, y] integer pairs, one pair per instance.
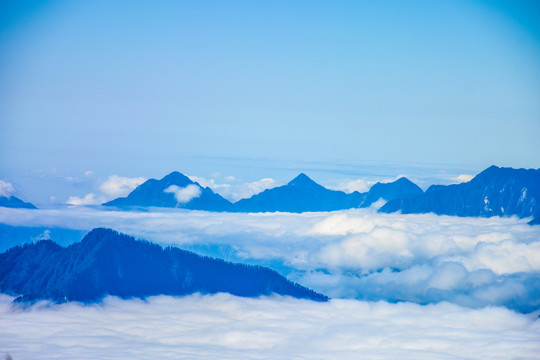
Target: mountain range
{"points": [[300, 195], [106, 262], [15, 202], [494, 192]]}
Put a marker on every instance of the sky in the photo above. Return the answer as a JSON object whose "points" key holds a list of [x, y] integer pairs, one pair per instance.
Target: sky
{"points": [[266, 89]]}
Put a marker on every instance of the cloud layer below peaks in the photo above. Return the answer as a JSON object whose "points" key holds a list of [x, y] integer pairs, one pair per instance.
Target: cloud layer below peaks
{"points": [[359, 254]]}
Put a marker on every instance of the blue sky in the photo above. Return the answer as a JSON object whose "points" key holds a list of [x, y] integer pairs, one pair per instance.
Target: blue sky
{"points": [[142, 88]]}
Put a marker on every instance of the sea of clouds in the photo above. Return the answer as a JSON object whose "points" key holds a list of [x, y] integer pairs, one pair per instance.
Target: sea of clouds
{"points": [[359, 253], [403, 286], [226, 327]]}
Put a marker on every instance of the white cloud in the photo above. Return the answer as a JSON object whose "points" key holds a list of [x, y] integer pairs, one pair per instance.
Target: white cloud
{"points": [[504, 257], [88, 199], [6, 188], [354, 253], [204, 182], [113, 187], [378, 204], [255, 187], [360, 185], [343, 224], [349, 186], [463, 178], [185, 194], [226, 327], [116, 186]]}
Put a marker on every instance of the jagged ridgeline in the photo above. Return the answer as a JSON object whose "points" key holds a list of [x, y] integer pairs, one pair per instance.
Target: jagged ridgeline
{"points": [[494, 192], [106, 262], [300, 195]]}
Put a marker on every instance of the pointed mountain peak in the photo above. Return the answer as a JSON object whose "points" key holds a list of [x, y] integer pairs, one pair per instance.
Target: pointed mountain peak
{"points": [[403, 179], [176, 178], [490, 170], [302, 180]]}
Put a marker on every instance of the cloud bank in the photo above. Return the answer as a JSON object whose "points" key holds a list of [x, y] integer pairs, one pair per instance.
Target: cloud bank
{"points": [[226, 327], [359, 254], [442, 280]]}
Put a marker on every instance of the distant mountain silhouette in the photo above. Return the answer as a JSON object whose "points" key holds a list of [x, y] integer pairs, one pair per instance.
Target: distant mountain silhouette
{"points": [[495, 191], [303, 194], [402, 188], [299, 195], [108, 263], [14, 202], [161, 193]]}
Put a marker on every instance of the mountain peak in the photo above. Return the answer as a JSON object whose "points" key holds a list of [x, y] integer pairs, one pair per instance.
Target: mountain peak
{"points": [[302, 180], [100, 235], [177, 178], [490, 171]]}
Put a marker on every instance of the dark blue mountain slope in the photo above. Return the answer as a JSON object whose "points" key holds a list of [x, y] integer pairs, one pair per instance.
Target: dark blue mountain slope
{"points": [[299, 195], [108, 263], [494, 192], [15, 202], [153, 193]]}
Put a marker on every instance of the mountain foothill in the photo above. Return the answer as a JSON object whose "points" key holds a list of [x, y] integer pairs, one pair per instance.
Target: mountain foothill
{"points": [[106, 263]]}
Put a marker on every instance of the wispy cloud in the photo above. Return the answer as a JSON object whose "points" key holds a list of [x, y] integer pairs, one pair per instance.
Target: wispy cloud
{"points": [[463, 178], [361, 185], [6, 188], [88, 199], [233, 189], [116, 186]]}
